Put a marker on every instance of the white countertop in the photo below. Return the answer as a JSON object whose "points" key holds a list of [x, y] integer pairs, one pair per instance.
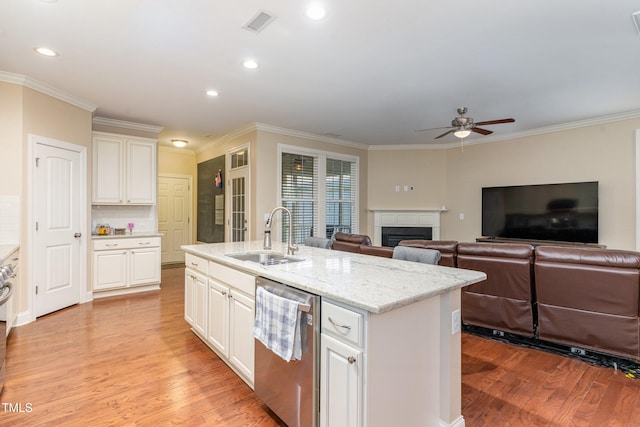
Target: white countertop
{"points": [[372, 283], [6, 251], [127, 235]]}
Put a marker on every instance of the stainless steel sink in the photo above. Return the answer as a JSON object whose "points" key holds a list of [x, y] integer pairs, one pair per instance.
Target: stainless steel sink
{"points": [[265, 257]]}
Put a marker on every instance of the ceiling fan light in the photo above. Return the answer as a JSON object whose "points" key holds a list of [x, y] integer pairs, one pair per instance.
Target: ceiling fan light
{"points": [[462, 133]]}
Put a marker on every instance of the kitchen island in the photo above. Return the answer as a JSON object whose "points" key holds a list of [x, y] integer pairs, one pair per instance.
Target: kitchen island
{"points": [[402, 352]]}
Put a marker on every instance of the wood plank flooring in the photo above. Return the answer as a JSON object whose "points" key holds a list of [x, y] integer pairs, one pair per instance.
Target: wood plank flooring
{"points": [[132, 361]]}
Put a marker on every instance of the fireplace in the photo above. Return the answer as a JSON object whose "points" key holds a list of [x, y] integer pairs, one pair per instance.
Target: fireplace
{"points": [[404, 223], [391, 236]]}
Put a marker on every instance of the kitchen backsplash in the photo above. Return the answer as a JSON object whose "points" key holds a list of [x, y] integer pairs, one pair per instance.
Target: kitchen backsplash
{"points": [[143, 217], [9, 220]]}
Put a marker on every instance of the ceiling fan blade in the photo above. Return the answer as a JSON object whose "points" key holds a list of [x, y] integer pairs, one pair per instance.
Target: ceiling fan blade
{"points": [[495, 122], [422, 130], [482, 131], [446, 133]]}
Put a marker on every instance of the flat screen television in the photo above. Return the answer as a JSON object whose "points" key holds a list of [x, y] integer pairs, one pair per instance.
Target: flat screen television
{"points": [[550, 212]]}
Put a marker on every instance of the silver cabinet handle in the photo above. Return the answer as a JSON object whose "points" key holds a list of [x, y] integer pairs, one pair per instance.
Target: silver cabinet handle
{"points": [[111, 244], [195, 264], [351, 360], [144, 243], [339, 325]]}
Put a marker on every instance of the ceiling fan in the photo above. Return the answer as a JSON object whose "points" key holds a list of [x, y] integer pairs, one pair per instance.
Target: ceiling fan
{"points": [[462, 126]]}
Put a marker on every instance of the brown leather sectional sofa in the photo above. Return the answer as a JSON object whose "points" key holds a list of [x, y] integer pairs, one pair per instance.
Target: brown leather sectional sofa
{"points": [[581, 297]]}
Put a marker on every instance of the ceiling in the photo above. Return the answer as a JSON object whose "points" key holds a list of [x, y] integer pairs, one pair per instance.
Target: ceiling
{"points": [[370, 72]]}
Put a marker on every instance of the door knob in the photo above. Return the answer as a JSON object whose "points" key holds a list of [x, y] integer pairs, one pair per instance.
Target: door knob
{"points": [[77, 235]]}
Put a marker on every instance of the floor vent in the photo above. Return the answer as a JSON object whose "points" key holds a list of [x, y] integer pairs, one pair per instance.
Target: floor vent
{"points": [[258, 22]]}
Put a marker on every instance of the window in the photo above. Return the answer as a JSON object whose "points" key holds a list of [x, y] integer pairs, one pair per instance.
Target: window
{"points": [[320, 190]]}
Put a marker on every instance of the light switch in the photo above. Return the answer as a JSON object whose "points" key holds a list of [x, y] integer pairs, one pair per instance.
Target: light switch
{"points": [[461, 216], [397, 188]]}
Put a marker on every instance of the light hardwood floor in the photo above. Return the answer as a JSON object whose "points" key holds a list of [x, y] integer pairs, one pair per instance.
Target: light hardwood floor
{"points": [[132, 361]]}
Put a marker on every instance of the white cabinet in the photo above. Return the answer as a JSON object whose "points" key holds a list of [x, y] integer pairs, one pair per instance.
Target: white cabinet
{"points": [[340, 383], [122, 263], [229, 313], [231, 316], [241, 341], [341, 366], [218, 323], [195, 297], [124, 170]]}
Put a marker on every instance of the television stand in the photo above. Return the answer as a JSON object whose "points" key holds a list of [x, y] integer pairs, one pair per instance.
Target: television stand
{"points": [[533, 242]]}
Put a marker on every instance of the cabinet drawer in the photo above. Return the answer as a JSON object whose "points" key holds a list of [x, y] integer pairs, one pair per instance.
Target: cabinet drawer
{"points": [[196, 263], [126, 243], [239, 280], [342, 322]]}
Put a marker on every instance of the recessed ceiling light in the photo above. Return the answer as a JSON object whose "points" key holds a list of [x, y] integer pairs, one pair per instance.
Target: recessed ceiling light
{"points": [[316, 11], [212, 93], [250, 64], [180, 143], [45, 51]]}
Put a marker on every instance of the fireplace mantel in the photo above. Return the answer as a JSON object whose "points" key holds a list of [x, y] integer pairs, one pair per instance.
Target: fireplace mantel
{"points": [[405, 218]]}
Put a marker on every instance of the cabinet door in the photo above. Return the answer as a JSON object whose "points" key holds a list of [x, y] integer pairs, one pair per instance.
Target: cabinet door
{"points": [[109, 269], [340, 383], [141, 172], [144, 266], [189, 298], [108, 170], [200, 304], [218, 326], [241, 344]]}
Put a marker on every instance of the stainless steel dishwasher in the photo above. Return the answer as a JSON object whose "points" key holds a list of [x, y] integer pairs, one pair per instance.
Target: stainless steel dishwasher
{"points": [[291, 389]]}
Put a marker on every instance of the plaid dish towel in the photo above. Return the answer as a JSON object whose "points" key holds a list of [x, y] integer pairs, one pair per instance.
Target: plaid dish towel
{"points": [[277, 324]]}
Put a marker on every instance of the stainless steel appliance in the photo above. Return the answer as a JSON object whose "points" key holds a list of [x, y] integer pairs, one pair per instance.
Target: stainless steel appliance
{"points": [[291, 389], [6, 290]]}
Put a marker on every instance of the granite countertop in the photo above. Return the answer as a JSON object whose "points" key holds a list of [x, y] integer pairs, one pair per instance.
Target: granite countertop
{"points": [[127, 235], [6, 251], [372, 283]]}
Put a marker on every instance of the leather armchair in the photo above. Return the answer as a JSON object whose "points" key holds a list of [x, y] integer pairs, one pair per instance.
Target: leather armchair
{"points": [[505, 300], [350, 242], [589, 298]]}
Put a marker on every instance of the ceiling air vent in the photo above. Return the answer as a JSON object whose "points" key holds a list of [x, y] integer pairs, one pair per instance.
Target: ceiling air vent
{"points": [[258, 22]]}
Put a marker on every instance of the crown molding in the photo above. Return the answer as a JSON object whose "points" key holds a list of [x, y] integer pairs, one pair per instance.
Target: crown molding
{"points": [[46, 89], [235, 134], [104, 121], [309, 135]]}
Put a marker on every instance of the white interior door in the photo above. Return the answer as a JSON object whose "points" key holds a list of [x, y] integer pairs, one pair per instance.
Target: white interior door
{"points": [[57, 236], [174, 216]]}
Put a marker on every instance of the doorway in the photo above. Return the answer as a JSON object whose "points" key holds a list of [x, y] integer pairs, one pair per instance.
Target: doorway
{"points": [[59, 214], [174, 215], [237, 195]]}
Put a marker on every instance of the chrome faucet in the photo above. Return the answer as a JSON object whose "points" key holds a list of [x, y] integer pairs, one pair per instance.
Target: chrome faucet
{"points": [[291, 247]]}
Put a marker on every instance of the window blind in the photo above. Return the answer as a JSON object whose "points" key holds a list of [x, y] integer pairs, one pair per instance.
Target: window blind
{"points": [[300, 195]]}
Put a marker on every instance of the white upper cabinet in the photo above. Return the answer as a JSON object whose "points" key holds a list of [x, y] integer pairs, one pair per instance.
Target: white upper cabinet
{"points": [[124, 170]]}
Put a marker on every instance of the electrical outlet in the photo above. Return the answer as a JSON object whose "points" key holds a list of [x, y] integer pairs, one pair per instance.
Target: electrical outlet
{"points": [[461, 216], [397, 188], [456, 322]]}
